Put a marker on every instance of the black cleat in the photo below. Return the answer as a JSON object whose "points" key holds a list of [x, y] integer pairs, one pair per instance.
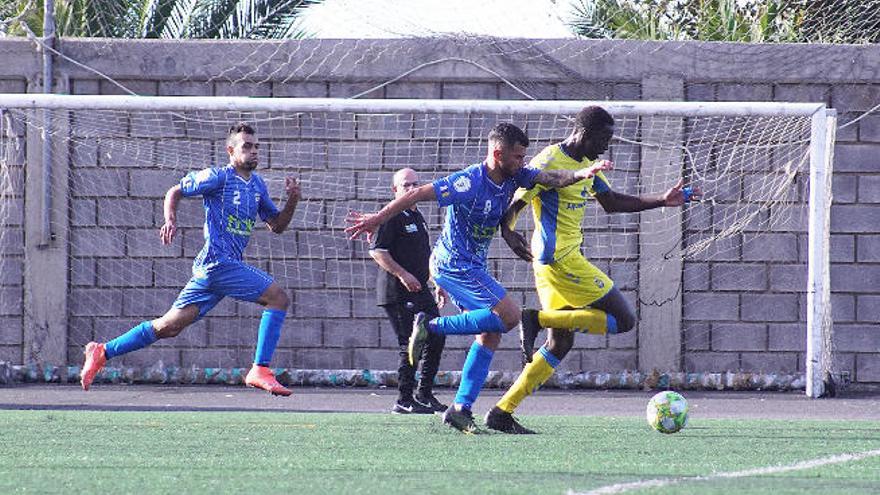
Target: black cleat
{"points": [[417, 338], [410, 407], [500, 420], [460, 419], [528, 332], [431, 402]]}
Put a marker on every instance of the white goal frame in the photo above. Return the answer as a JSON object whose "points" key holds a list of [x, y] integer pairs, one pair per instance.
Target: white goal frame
{"points": [[822, 139]]}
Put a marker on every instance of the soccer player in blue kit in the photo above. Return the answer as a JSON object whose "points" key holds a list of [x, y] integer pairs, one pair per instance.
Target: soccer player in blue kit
{"points": [[234, 196], [476, 198]]}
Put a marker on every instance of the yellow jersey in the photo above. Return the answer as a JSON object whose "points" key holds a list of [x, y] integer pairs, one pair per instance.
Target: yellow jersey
{"points": [[559, 213]]}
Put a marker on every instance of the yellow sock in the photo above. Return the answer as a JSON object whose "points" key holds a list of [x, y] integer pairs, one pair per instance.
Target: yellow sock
{"points": [[533, 376], [587, 320]]}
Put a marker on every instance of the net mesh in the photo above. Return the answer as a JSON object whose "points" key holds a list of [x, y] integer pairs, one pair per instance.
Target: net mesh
{"points": [[742, 248]]}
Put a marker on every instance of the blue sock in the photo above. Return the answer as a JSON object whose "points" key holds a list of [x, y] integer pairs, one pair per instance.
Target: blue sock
{"points": [[267, 338], [469, 323], [610, 323], [548, 356], [473, 375], [137, 338]]}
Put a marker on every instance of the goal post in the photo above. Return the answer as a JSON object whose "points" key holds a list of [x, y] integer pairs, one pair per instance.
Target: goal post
{"points": [[819, 322], [741, 262]]}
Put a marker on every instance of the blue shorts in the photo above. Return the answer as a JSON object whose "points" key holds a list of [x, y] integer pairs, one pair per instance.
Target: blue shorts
{"points": [[469, 288], [209, 285]]}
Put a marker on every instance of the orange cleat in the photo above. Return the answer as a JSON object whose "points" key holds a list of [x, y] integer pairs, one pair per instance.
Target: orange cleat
{"points": [[95, 361], [262, 377]]}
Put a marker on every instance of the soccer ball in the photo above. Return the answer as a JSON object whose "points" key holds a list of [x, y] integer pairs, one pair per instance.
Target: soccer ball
{"points": [[667, 412]]}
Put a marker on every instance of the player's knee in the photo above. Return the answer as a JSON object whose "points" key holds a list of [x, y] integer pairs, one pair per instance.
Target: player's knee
{"points": [[277, 298], [510, 319], [626, 321], [560, 342], [283, 300]]}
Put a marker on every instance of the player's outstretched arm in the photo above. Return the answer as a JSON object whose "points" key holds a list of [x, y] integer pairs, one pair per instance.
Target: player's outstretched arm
{"points": [[279, 223], [169, 228], [515, 240], [360, 223], [677, 195], [561, 178]]}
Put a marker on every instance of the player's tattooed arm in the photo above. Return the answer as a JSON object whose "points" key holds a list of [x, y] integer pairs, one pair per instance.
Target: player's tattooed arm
{"points": [[515, 240], [560, 178], [367, 223]]}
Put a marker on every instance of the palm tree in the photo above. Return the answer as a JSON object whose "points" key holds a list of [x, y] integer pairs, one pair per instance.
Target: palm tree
{"points": [[758, 21], [193, 19]]}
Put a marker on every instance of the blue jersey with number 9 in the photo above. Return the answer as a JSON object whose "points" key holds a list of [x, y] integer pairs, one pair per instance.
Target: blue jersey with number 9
{"points": [[475, 207]]}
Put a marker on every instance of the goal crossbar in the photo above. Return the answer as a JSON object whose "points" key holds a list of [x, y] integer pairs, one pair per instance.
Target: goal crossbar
{"points": [[515, 107]]}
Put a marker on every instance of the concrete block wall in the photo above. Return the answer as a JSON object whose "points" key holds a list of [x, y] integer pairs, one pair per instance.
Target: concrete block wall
{"points": [[751, 319]]}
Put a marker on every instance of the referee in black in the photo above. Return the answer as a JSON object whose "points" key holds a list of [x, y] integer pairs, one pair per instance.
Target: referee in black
{"points": [[401, 247]]}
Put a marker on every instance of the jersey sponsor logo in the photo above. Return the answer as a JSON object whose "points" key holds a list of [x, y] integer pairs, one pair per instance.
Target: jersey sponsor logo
{"points": [[410, 228], [239, 226], [585, 193], [481, 232], [462, 184]]}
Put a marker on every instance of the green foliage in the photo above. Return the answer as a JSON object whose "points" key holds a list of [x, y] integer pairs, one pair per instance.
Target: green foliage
{"points": [[748, 21], [172, 19]]}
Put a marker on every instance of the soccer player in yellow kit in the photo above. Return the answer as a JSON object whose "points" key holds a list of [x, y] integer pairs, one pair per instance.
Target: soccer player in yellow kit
{"points": [[575, 295]]}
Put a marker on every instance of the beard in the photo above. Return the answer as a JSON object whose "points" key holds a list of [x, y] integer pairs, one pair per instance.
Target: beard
{"points": [[249, 164]]}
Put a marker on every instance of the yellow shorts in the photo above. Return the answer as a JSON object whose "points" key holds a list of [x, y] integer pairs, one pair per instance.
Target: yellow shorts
{"points": [[570, 282]]}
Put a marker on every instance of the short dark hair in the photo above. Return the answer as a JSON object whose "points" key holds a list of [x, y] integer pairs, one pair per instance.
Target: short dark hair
{"points": [[508, 135], [592, 117], [236, 129]]}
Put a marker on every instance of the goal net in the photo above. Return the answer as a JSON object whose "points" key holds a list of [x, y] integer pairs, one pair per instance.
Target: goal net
{"points": [[83, 180]]}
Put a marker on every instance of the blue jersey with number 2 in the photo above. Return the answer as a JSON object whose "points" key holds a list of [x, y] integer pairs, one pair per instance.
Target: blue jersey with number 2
{"points": [[231, 208], [475, 207]]}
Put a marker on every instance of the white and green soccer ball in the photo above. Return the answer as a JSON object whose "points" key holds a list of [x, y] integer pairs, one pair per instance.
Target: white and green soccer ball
{"points": [[667, 412]]}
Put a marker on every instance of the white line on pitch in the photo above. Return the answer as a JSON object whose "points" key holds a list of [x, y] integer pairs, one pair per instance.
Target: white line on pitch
{"points": [[798, 466]]}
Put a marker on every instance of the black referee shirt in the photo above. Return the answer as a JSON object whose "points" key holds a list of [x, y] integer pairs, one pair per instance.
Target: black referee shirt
{"points": [[405, 237]]}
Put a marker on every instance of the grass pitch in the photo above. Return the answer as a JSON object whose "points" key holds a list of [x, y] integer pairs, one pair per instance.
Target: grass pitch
{"points": [[296, 453]]}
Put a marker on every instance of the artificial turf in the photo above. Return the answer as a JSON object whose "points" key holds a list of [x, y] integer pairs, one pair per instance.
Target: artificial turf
{"points": [[299, 453]]}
